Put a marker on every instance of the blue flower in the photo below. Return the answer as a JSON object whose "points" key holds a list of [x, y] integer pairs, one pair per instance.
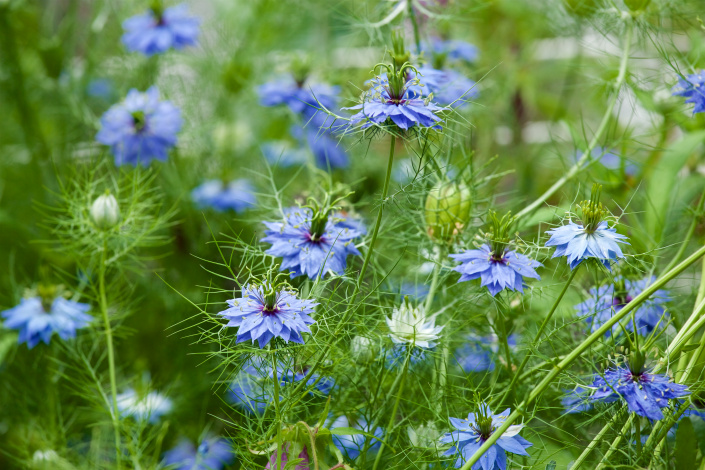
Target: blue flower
{"points": [[645, 393], [452, 49], [149, 407], [325, 385], [507, 272], [212, 453], [141, 128], [252, 389], [36, 324], [610, 160], [605, 301], [238, 195], [396, 356], [302, 98], [282, 154], [691, 87], [156, 31], [448, 86], [478, 353], [100, 88], [405, 108], [307, 250], [263, 313], [328, 152], [578, 243], [576, 400], [353, 445], [472, 432]]}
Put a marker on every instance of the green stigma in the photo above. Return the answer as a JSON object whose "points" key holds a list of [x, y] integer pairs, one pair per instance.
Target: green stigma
{"points": [[483, 420], [593, 212], [499, 236], [139, 119], [47, 293], [274, 283]]}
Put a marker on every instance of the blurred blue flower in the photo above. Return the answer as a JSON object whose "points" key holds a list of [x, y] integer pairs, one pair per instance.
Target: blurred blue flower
{"points": [[302, 98], [141, 128], [691, 87], [282, 154], [352, 446], [253, 387], [36, 324], [576, 400], [213, 453], [328, 152], [452, 49], [472, 432], [605, 301], [238, 195], [396, 355], [100, 88], [507, 272], [448, 86], [149, 407], [478, 353], [306, 252], [266, 312], [155, 31], [413, 291], [645, 393], [325, 385], [609, 159], [578, 243], [404, 108]]}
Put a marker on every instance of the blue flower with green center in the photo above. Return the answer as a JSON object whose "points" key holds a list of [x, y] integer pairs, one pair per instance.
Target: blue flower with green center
{"points": [[140, 129], [37, 319], [213, 453], [591, 239], [691, 87], [269, 311], [472, 432], [311, 242], [159, 30]]}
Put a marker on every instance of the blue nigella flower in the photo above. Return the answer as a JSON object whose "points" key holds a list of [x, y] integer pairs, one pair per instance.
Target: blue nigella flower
{"points": [[100, 88], [301, 97], [325, 385], [592, 239], [237, 195], [283, 154], [352, 446], [691, 87], [253, 387], [506, 271], [311, 243], [141, 128], [266, 312], [212, 453], [157, 31], [448, 86], [149, 407], [576, 400], [327, 151], [645, 393], [605, 301], [478, 353], [451, 49], [472, 432], [38, 322]]}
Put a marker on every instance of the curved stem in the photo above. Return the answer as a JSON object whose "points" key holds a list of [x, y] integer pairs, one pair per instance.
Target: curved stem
{"points": [[537, 338], [578, 351], [111, 351], [392, 417], [586, 158]]}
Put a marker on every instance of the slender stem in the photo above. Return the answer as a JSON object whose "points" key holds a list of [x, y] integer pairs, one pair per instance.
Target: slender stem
{"points": [[537, 338], [579, 165], [683, 371], [278, 462], [434, 280], [439, 377], [689, 235], [578, 351], [503, 337], [616, 442], [580, 460], [111, 350], [637, 432], [392, 417], [415, 25]]}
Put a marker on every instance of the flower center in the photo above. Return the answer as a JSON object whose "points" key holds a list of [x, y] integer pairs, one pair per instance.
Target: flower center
{"points": [[47, 294], [483, 426], [139, 120], [592, 210]]}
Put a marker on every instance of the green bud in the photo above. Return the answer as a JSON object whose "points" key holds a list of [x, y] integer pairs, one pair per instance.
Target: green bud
{"points": [[447, 210], [105, 211], [583, 8], [637, 5]]}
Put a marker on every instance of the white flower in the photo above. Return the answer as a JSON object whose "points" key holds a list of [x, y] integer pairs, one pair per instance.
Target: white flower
{"points": [[425, 435], [149, 407], [409, 324], [105, 211], [362, 349]]}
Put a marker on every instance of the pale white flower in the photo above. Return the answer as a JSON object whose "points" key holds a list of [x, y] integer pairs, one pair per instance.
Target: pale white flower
{"points": [[148, 407], [425, 435], [410, 325]]}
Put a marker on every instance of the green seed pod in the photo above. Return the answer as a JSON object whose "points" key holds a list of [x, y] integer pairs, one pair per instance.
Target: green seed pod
{"points": [[447, 210], [637, 5]]}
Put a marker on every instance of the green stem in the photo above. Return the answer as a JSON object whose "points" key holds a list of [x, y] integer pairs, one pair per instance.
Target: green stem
{"points": [[415, 25], [503, 337], [637, 432], [111, 350], [392, 417], [434, 279], [439, 377], [278, 462], [579, 165], [616, 442], [689, 235], [598, 438], [537, 338], [578, 351]]}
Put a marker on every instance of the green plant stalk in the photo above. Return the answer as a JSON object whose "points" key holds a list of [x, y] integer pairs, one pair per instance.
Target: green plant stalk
{"points": [[616, 442], [278, 462], [581, 459], [439, 380], [415, 25], [114, 414], [434, 279], [637, 433], [392, 417], [689, 235], [537, 338], [578, 351], [684, 358], [579, 165]]}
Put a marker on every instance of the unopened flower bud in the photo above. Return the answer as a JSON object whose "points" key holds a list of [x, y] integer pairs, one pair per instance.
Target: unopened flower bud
{"points": [[105, 211], [362, 349], [447, 210]]}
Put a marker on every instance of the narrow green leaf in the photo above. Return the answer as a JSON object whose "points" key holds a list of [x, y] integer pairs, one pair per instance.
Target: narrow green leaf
{"points": [[686, 445]]}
